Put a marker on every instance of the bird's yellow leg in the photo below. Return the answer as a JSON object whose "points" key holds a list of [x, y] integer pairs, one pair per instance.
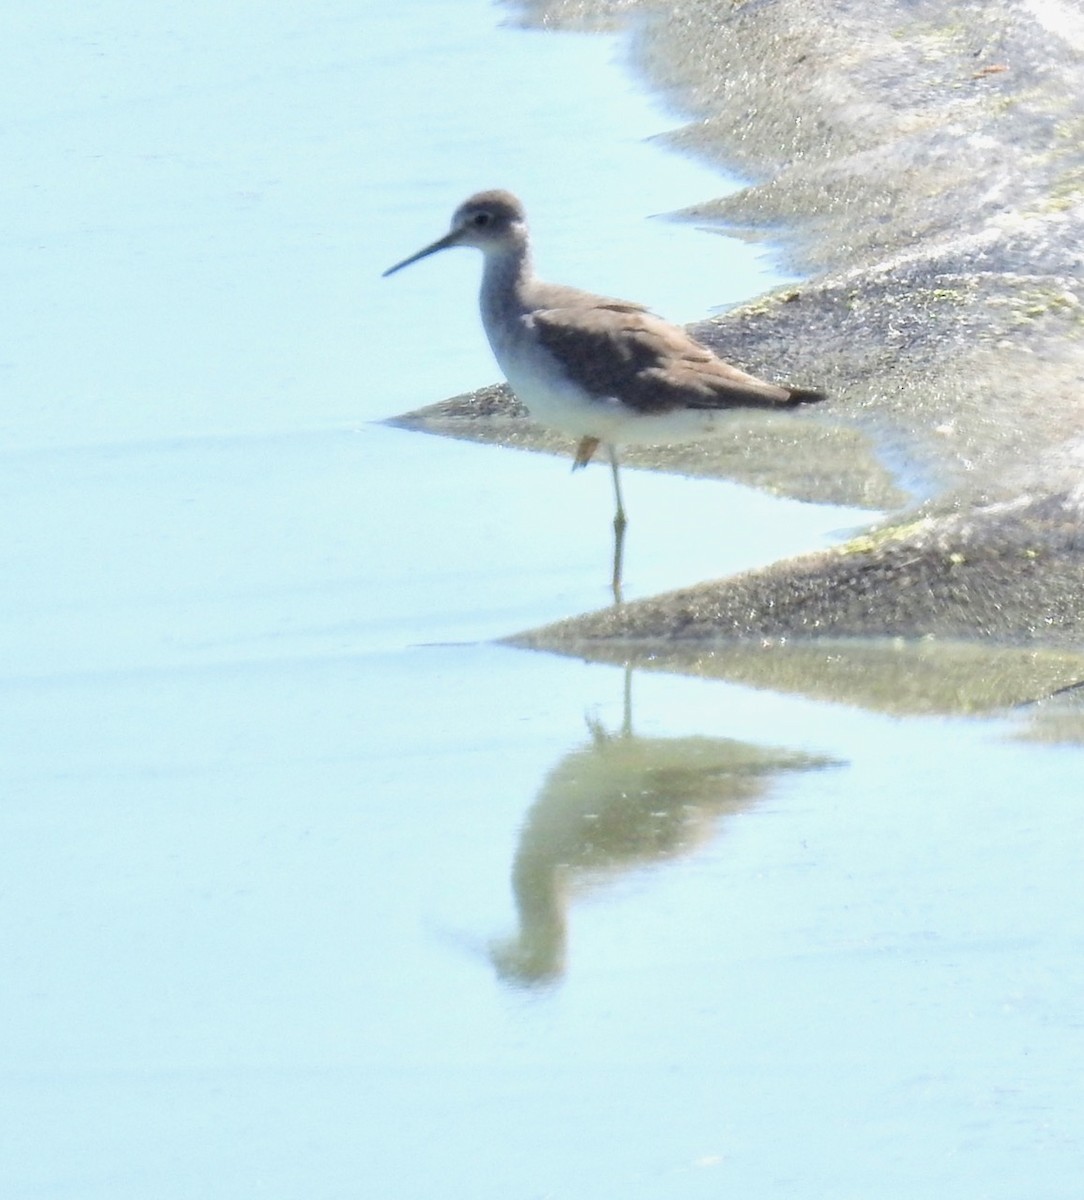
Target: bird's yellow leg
{"points": [[620, 521]]}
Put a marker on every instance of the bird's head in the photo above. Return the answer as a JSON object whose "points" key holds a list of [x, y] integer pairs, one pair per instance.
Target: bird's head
{"points": [[492, 222]]}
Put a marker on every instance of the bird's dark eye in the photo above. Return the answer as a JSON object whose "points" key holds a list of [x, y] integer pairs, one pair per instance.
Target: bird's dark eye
{"points": [[480, 220]]}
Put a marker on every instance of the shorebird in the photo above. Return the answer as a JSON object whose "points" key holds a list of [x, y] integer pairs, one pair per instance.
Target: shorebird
{"points": [[606, 371]]}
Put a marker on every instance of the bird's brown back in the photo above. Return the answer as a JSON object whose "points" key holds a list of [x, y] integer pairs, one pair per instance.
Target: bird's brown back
{"points": [[612, 348]]}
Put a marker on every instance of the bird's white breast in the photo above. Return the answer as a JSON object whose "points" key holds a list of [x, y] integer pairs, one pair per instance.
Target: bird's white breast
{"points": [[553, 399], [537, 379]]}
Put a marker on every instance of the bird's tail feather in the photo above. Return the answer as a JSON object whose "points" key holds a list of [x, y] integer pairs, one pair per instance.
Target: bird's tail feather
{"points": [[796, 396]]}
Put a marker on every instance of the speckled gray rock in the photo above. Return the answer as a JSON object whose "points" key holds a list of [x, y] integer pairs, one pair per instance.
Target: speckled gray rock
{"points": [[925, 163]]}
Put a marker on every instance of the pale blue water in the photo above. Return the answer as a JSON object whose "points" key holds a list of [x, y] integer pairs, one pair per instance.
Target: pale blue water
{"points": [[201, 199], [264, 775]]}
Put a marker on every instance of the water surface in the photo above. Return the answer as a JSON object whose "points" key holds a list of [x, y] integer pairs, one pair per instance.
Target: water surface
{"points": [[312, 889]]}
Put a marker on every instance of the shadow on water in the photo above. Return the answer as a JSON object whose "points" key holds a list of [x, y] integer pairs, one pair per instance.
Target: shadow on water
{"points": [[900, 676], [618, 803]]}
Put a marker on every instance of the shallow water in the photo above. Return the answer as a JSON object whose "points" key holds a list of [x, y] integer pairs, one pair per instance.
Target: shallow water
{"points": [[313, 889]]}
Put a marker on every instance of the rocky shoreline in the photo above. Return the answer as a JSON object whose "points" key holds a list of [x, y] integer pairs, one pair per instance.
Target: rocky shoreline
{"points": [[925, 165]]}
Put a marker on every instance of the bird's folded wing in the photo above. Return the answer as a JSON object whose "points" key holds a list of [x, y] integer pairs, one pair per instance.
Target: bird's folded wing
{"points": [[618, 350]]}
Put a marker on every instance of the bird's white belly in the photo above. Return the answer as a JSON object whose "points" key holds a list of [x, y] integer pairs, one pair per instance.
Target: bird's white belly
{"points": [[554, 400], [563, 406]]}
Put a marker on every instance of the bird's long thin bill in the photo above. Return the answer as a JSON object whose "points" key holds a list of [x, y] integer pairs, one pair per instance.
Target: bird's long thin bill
{"points": [[443, 243]]}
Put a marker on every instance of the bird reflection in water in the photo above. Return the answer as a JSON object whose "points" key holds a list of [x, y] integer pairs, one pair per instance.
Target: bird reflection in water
{"points": [[618, 803]]}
